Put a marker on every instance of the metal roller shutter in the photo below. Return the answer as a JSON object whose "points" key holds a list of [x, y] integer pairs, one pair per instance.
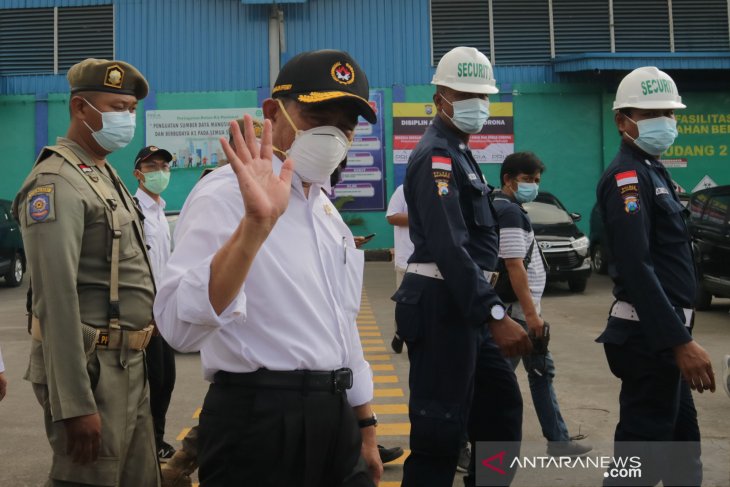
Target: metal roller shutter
{"points": [[459, 23]]}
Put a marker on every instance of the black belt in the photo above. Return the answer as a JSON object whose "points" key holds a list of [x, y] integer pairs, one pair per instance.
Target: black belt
{"points": [[333, 381]]}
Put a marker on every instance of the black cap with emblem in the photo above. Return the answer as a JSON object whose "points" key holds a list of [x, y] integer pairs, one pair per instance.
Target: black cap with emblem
{"points": [[323, 76], [147, 152], [107, 76]]}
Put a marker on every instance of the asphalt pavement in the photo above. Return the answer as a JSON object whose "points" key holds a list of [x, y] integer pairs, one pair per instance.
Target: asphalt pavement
{"points": [[587, 392]]}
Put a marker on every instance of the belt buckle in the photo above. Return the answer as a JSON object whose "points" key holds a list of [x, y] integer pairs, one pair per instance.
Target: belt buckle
{"points": [[342, 379]]}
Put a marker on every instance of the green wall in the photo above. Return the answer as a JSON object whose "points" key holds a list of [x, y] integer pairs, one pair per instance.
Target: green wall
{"points": [[569, 126], [17, 126]]}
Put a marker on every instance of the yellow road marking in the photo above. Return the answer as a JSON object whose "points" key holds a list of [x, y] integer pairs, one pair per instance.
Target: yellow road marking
{"points": [[373, 349], [183, 433], [390, 408], [394, 429], [370, 334], [383, 484], [372, 341], [367, 322], [382, 367], [196, 414], [395, 392], [385, 379], [375, 358], [368, 328]]}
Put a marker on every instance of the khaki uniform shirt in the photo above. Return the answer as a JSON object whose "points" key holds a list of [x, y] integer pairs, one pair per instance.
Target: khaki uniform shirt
{"points": [[68, 238]]}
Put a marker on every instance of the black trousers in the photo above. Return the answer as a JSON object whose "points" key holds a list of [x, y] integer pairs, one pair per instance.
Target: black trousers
{"points": [[279, 438], [442, 351], [496, 410], [161, 372], [656, 406]]}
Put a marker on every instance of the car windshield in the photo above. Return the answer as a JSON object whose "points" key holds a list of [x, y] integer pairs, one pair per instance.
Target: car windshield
{"points": [[546, 214]]}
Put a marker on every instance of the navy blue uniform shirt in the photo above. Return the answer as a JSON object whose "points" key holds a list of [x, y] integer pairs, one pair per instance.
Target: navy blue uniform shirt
{"points": [[451, 219], [651, 256]]}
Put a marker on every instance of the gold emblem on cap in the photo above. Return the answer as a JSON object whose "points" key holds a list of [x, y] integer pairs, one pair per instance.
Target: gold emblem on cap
{"points": [[114, 76], [153, 148], [343, 73]]}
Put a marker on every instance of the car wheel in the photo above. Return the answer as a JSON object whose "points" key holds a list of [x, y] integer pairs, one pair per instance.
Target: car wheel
{"points": [[598, 258], [577, 284], [14, 277], [703, 299]]}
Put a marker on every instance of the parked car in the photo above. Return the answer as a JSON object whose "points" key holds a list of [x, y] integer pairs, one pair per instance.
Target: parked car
{"points": [[12, 255], [599, 257], [709, 211], [565, 247]]}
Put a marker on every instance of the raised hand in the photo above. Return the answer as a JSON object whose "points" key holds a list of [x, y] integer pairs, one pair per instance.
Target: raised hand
{"points": [[265, 194]]}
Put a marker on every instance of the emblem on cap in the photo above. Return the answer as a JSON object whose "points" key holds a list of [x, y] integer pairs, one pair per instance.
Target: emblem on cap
{"points": [[153, 148], [114, 76], [343, 73]]}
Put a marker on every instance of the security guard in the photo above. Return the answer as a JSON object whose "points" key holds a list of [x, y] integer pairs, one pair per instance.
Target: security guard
{"points": [[648, 338], [446, 296], [92, 288]]}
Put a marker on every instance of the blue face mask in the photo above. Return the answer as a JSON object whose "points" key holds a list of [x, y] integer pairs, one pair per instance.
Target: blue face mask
{"points": [[117, 129], [469, 115], [526, 192], [656, 135]]}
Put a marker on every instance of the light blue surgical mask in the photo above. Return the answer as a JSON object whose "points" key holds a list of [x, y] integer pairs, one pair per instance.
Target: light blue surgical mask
{"points": [[656, 135], [469, 115], [117, 129], [526, 192]]}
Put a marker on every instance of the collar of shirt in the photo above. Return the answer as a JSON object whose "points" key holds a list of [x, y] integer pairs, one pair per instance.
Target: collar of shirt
{"points": [[449, 134], [499, 194], [147, 201]]}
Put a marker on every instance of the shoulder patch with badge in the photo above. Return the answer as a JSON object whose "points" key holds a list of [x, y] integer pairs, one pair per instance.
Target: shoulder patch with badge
{"points": [[441, 168], [40, 203], [628, 186]]}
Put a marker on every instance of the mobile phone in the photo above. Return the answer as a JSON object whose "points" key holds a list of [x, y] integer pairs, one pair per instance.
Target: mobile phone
{"points": [[368, 237]]}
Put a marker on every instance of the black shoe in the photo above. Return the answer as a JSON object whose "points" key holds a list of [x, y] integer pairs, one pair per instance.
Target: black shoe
{"points": [[397, 344], [165, 451], [389, 454]]}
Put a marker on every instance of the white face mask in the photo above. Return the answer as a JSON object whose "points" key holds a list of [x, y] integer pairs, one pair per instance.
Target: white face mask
{"points": [[316, 152], [117, 129]]}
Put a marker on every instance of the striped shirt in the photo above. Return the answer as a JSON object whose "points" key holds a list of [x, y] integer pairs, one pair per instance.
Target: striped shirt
{"points": [[515, 238]]}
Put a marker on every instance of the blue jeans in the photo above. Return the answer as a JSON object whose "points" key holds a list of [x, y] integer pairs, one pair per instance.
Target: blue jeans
{"points": [[543, 393]]}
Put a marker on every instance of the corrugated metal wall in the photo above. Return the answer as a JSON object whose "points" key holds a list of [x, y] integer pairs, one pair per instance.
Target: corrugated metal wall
{"points": [[221, 45], [389, 38]]}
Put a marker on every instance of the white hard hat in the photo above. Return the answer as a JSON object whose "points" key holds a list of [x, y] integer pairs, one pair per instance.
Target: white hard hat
{"points": [[467, 70], [647, 88]]}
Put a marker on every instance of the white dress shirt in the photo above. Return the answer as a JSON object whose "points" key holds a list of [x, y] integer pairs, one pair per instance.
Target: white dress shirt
{"points": [[297, 308], [156, 233], [401, 235]]}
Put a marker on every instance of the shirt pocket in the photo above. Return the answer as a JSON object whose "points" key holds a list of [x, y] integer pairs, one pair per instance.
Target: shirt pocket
{"points": [[669, 222], [128, 246], [478, 193]]}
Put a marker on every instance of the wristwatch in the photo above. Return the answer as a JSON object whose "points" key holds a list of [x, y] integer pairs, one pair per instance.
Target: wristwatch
{"points": [[371, 421], [497, 312]]}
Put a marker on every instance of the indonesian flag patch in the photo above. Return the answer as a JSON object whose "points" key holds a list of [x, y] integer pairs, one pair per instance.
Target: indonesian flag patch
{"points": [[440, 163], [441, 169], [628, 186], [626, 177]]}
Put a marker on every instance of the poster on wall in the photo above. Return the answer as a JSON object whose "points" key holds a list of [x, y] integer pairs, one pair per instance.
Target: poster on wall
{"points": [[363, 180], [700, 152], [490, 146], [192, 136]]}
